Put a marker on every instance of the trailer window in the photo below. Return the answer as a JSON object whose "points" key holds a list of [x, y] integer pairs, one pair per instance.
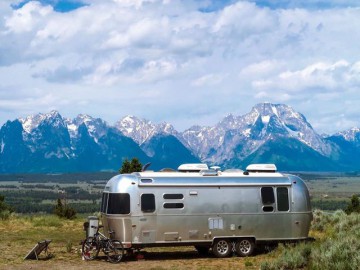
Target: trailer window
{"points": [[146, 180], [173, 196], [148, 203], [267, 195], [282, 195], [119, 203], [104, 202], [173, 205]]}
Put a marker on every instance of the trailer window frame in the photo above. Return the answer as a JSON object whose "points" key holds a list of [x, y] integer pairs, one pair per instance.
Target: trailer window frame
{"points": [[147, 203], [118, 199], [283, 204], [104, 202]]}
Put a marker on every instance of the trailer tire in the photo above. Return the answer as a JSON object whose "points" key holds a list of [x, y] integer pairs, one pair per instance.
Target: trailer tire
{"points": [[244, 247], [222, 248]]}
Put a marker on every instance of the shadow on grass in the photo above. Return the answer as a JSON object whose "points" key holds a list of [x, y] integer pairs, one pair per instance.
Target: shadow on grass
{"points": [[154, 255]]}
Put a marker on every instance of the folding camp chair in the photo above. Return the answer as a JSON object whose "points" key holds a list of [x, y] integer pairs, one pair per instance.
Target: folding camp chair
{"points": [[37, 249]]}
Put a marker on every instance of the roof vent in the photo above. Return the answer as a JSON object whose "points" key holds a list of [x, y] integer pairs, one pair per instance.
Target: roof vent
{"points": [[261, 168], [193, 167]]}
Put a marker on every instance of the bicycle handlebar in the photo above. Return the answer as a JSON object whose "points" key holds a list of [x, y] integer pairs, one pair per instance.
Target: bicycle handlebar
{"points": [[101, 226]]}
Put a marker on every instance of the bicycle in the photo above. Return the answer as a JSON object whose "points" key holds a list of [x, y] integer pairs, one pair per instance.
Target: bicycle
{"points": [[113, 249]]}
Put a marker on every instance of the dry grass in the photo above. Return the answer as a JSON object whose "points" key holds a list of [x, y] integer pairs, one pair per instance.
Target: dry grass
{"points": [[20, 234]]}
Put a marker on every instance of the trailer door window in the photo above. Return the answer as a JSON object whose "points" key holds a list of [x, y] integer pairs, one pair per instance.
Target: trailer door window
{"points": [[104, 202], [119, 203], [282, 196], [267, 195], [148, 203]]}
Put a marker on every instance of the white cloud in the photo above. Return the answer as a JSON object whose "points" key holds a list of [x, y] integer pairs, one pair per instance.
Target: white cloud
{"points": [[209, 79], [27, 18], [320, 76], [112, 52]]}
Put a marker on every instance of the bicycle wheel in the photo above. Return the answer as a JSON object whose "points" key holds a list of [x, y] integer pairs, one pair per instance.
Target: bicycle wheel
{"points": [[114, 251], [89, 249]]}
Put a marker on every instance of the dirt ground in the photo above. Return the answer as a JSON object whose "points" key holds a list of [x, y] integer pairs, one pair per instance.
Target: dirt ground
{"points": [[20, 234], [180, 258]]}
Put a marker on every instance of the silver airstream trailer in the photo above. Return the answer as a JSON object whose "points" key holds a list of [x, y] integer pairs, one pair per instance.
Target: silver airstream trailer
{"points": [[224, 211]]}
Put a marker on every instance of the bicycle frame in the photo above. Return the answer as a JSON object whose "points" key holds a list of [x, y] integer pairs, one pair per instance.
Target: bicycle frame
{"points": [[113, 249]]}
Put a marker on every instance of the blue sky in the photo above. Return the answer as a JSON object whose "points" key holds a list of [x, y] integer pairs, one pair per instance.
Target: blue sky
{"points": [[184, 62]]}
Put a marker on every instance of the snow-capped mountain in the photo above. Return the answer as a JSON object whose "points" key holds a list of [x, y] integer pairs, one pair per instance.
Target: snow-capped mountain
{"points": [[141, 130], [95, 126], [51, 143], [351, 135], [268, 133], [250, 131]]}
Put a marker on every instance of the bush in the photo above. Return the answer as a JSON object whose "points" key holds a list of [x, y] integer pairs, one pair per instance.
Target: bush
{"points": [[5, 210], [69, 246], [338, 248], [291, 257], [5, 215], [64, 211], [354, 205]]}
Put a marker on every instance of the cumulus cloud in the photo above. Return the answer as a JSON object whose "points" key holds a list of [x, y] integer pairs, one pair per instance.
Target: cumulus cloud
{"points": [[320, 76], [240, 50]]}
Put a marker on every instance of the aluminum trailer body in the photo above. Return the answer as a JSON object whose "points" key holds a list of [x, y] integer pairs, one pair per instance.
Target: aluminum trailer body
{"points": [[202, 208]]}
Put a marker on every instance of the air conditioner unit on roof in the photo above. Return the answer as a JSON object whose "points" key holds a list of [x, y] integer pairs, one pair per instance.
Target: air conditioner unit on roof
{"points": [[261, 168], [193, 167]]}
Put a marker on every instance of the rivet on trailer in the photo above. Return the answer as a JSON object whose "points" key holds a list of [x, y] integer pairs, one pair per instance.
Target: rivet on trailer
{"points": [[225, 211]]}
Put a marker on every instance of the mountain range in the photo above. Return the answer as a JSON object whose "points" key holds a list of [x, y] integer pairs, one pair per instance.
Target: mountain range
{"points": [[269, 133]]}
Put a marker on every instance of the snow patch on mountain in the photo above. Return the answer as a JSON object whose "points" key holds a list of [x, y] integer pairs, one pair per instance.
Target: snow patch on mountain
{"points": [[141, 130], [31, 122], [95, 126], [350, 135], [234, 137], [2, 146]]}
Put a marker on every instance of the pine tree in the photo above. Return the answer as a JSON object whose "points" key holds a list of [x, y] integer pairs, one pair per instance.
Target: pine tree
{"points": [[131, 166], [135, 165], [126, 166], [354, 205], [59, 209]]}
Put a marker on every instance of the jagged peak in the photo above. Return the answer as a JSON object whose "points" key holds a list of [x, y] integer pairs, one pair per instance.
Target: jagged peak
{"points": [[350, 134], [31, 122], [267, 108], [133, 119], [52, 114], [88, 119], [84, 117]]}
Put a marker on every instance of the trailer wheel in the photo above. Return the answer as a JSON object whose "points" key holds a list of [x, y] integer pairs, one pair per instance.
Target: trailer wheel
{"points": [[222, 248], [244, 247]]}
